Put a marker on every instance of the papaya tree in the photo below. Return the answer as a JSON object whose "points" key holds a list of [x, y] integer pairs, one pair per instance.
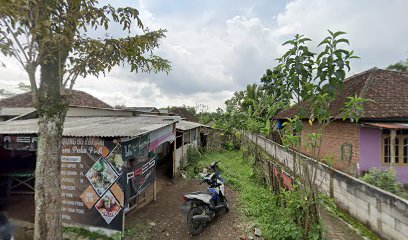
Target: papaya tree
{"points": [[55, 38]]}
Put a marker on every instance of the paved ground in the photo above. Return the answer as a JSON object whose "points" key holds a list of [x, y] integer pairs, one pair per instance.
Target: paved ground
{"points": [[169, 223], [337, 229]]}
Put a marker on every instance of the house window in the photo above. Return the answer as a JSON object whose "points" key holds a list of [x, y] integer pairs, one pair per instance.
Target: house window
{"points": [[346, 152], [401, 149]]}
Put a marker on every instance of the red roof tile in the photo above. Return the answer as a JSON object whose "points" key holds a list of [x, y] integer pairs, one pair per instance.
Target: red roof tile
{"points": [[387, 89], [77, 98], [184, 113]]}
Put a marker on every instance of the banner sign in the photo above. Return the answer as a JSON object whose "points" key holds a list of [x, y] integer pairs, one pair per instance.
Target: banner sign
{"points": [[161, 136], [287, 180], [143, 174], [137, 148], [20, 142], [92, 195], [99, 176]]}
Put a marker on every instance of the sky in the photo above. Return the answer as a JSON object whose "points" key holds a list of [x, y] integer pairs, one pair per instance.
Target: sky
{"points": [[218, 47]]}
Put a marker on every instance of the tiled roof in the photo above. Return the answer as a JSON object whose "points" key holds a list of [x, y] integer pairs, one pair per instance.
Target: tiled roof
{"points": [[77, 98], [182, 112], [387, 90]]}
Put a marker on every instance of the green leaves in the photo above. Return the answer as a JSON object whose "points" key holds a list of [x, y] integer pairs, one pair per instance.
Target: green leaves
{"points": [[332, 63], [297, 66], [37, 34], [401, 66], [384, 179], [354, 108]]}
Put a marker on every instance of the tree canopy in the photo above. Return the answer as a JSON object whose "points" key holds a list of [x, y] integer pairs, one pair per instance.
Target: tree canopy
{"points": [[35, 32], [64, 40], [401, 66]]}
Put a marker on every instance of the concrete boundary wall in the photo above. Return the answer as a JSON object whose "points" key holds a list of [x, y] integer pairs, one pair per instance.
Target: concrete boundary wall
{"points": [[383, 212]]}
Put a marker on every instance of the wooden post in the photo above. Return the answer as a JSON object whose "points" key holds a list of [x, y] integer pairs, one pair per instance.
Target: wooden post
{"points": [[182, 149], [392, 145], [198, 136], [122, 234], [154, 191]]}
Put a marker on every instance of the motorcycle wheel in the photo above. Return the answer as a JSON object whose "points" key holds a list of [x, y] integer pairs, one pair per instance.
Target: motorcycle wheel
{"points": [[226, 207], [194, 227]]}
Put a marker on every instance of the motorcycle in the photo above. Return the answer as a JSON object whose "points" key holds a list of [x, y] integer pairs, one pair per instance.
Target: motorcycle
{"points": [[201, 207]]}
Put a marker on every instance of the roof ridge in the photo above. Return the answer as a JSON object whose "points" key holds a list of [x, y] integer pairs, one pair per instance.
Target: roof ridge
{"points": [[361, 73], [368, 83]]}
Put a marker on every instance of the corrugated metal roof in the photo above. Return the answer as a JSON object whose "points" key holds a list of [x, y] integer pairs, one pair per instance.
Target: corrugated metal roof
{"points": [[92, 126], [15, 111], [186, 125], [144, 109], [389, 125]]}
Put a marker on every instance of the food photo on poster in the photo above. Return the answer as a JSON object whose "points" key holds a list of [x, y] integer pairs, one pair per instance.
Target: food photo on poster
{"points": [[101, 175], [108, 206], [116, 160]]}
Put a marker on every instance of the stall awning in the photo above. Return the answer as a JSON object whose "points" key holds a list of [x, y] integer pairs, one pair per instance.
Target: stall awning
{"points": [[388, 125]]}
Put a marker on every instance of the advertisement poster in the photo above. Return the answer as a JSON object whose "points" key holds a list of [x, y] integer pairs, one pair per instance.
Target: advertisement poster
{"points": [[20, 142], [143, 174], [91, 195], [96, 173]]}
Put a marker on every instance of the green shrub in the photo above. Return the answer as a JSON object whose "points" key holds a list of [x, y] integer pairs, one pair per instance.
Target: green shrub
{"points": [[257, 203], [229, 146], [384, 179], [193, 154]]}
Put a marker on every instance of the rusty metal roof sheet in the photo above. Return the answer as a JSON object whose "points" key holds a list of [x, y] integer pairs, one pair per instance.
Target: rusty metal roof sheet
{"points": [[389, 125], [92, 126]]}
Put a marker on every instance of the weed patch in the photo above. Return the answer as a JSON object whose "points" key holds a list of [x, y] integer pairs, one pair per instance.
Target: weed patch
{"points": [[257, 203], [76, 232], [138, 231]]}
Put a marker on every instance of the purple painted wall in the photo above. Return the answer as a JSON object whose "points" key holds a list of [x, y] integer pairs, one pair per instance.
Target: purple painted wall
{"points": [[370, 153]]}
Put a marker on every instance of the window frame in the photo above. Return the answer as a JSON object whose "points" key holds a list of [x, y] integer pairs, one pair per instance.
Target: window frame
{"points": [[401, 138]]}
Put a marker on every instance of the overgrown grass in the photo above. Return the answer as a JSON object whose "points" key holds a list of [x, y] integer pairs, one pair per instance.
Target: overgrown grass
{"points": [[136, 231], [85, 234], [257, 203]]}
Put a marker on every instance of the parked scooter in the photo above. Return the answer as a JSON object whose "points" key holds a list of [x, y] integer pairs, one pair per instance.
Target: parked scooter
{"points": [[6, 230], [201, 207]]}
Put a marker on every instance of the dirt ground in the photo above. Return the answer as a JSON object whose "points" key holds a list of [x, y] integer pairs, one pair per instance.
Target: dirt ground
{"points": [[164, 219]]}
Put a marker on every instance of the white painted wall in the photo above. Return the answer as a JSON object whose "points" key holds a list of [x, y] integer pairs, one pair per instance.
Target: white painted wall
{"points": [[181, 155]]}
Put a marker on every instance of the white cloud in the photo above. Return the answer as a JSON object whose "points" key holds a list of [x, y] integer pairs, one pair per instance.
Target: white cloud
{"points": [[217, 47], [376, 29]]}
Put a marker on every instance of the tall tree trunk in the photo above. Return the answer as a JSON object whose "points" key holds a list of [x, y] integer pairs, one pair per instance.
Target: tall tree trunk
{"points": [[52, 109]]}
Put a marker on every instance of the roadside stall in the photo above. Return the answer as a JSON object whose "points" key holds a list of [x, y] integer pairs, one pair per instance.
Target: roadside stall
{"points": [[106, 163]]}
